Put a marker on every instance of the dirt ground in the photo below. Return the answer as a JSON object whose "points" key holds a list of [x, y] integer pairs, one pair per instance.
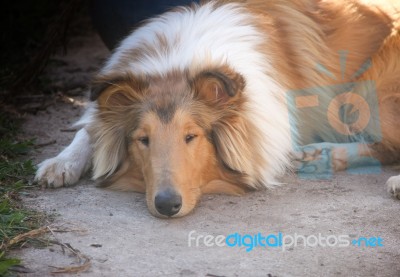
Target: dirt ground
{"points": [[121, 238]]}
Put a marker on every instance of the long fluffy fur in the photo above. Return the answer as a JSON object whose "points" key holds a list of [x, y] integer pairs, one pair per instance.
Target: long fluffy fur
{"points": [[232, 66], [194, 39], [242, 36]]}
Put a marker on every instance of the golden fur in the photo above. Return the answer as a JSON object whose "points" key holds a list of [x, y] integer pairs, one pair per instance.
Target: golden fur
{"points": [[196, 137]]}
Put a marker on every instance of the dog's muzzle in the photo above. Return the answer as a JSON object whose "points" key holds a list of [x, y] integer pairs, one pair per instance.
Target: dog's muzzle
{"points": [[168, 202]]}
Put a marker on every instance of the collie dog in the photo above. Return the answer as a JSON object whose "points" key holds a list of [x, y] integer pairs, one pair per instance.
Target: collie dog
{"points": [[202, 99]]}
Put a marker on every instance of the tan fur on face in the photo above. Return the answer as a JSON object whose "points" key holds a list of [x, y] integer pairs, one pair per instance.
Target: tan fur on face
{"points": [[208, 106], [170, 162]]}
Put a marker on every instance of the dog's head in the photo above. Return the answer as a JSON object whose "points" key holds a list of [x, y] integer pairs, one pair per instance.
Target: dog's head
{"points": [[174, 136]]}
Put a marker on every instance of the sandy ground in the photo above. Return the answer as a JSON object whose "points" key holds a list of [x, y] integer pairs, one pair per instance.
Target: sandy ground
{"points": [[121, 238]]}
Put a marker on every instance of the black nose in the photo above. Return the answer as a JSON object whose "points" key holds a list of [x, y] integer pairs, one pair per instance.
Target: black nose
{"points": [[168, 202]]}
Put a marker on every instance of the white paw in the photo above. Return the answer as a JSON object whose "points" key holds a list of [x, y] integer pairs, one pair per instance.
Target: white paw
{"points": [[57, 172], [393, 186]]}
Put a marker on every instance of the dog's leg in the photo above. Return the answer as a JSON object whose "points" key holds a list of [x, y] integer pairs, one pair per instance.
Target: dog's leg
{"points": [[69, 165], [393, 186], [389, 155], [390, 110], [322, 159], [385, 72]]}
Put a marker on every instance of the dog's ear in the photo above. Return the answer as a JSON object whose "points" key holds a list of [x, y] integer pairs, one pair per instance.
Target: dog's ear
{"points": [[118, 99], [220, 85], [112, 91], [232, 131]]}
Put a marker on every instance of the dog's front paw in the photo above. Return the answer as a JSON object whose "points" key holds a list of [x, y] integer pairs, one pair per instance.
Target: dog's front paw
{"points": [[393, 186], [57, 172]]}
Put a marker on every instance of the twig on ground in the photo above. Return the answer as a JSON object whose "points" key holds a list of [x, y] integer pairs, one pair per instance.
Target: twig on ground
{"points": [[31, 234], [39, 145], [84, 261], [68, 130]]}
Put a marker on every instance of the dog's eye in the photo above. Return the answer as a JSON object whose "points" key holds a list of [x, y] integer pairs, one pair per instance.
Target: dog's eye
{"points": [[144, 140], [189, 138]]}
